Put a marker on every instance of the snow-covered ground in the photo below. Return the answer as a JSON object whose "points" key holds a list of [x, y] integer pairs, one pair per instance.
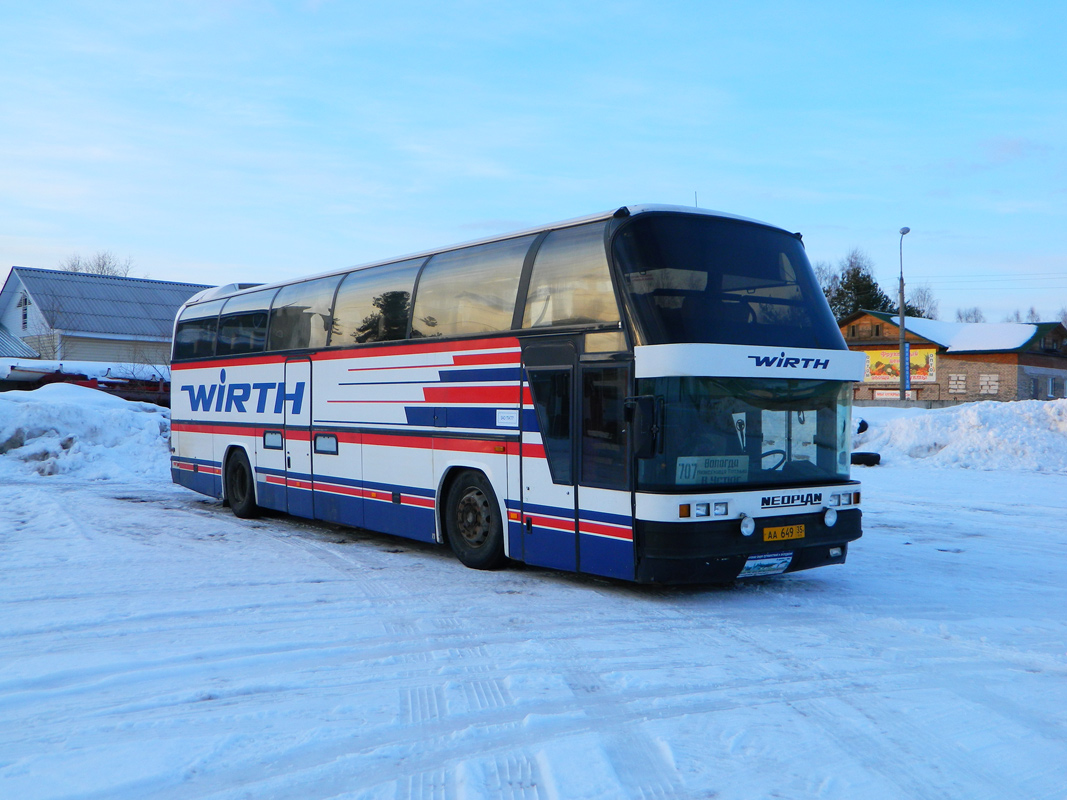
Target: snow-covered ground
{"points": [[152, 645]]}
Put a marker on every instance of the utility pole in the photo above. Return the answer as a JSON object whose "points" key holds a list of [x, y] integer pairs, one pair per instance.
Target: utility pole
{"points": [[905, 359]]}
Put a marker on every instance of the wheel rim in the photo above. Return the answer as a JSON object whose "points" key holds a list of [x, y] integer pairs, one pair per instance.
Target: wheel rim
{"points": [[473, 518]]}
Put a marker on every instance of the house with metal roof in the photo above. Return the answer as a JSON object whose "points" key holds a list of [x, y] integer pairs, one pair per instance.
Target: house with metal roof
{"points": [[77, 316], [952, 362]]}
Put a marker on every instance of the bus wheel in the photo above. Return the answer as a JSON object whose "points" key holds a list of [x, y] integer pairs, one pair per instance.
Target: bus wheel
{"points": [[475, 530], [240, 490]]}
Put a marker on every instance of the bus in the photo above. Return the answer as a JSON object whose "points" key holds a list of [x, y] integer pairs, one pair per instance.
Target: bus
{"points": [[655, 394]]}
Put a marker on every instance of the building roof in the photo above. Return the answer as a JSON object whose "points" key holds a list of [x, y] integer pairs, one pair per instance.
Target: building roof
{"points": [[77, 302], [967, 337], [14, 347]]}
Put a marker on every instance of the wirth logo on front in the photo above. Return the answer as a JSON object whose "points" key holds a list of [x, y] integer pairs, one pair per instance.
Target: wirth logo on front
{"points": [[233, 397], [792, 362], [787, 500]]}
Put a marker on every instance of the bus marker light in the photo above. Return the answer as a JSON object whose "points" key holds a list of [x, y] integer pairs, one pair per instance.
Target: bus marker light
{"points": [[835, 552], [830, 518], [683, 510], [702, 510], [748, 525], [835, 500], [722, 509]]}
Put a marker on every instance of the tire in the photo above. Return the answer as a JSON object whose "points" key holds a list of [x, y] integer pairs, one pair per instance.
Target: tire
{"points": [[866, 459], [472, 522], [240, 486]]}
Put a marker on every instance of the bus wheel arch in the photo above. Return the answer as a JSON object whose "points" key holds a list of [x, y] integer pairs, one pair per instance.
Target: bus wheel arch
{"points": [[472, 519], [239, 484]]}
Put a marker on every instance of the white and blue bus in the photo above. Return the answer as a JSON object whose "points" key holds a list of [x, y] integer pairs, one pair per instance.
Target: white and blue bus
{"points": [[655, 394]]}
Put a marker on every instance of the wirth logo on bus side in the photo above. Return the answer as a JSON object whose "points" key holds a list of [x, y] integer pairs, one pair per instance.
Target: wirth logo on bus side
{"points": [[234, 396], [791, 363], [786, 500]]}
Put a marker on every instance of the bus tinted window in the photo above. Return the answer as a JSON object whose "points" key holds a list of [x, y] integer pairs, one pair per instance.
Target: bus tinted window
{"points": [[300, 315], [471, 290], [570, 284], [373, 305], [706, 279], [194, 336], [243, 325]]}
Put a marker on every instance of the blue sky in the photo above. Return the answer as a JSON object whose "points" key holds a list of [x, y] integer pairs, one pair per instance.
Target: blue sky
{"points": [[255, 141]]}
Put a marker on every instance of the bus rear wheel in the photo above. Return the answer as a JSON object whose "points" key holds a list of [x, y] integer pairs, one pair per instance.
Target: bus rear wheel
{"points": [[240, 488], [472, 522]]}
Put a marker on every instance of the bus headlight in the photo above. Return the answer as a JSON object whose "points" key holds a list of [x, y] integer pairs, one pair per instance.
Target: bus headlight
{"points": [[830, 517], [748, 525]]}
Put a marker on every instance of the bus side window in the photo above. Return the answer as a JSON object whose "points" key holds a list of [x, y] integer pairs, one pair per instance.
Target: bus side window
{"points": [[243, 325], [374, 304], [194, 335], [300, 315], [470, 291], [570, 283]]}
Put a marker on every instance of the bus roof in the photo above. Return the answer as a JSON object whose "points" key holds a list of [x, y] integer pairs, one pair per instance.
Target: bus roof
{"points": [[232, 289]]}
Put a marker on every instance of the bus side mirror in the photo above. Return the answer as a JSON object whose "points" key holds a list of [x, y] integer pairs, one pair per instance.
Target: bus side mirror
{"points": [[641, 413]]}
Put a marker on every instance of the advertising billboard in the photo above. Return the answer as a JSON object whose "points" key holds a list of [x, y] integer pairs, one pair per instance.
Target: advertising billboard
{"points": [[883, 366]]}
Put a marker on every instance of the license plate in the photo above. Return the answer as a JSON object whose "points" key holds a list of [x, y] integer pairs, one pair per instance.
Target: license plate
{"points": [[766, 564], [783, 533]]}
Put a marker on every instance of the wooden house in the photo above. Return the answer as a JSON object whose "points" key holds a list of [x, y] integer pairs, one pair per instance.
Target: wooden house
{"points": [[76, 316], [959, 361]]}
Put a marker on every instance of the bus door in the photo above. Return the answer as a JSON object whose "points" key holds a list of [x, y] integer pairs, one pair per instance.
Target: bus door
{"points": [[297, 405], [549, 493]]}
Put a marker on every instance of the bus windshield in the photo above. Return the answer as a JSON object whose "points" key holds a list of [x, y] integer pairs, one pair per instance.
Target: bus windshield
{"points": [[695, 278], [742, 432]]}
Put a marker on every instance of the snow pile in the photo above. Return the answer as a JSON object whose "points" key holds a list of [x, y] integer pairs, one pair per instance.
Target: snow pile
{"points": [[63, 428], [1025, 435]]}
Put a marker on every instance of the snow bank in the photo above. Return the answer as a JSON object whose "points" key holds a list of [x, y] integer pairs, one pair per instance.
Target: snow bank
{"points": [[1026, 435], [63, 428]]}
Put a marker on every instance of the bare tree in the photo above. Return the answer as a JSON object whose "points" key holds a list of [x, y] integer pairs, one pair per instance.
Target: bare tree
{"points": [[1014, 316], [921, 302], [973, 314], [1032, 315], [103, 263], [824, 274], [851, 286], [1062, 314]]}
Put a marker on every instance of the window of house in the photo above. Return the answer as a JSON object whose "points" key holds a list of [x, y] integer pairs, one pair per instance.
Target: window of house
{"points": [[852, 331], [957, 384], [1052, 387], [988, 384], [877, 330], [24, 304]]}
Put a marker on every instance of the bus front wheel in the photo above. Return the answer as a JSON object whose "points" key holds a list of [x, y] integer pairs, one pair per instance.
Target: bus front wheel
{"points": [[472, 522], [240, 488]]}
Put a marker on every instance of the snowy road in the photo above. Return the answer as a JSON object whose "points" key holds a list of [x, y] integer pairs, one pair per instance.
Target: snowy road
{"points": [[152, 645]]}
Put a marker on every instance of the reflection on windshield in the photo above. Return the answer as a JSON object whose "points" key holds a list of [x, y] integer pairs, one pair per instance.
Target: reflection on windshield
{"points": [[727, 432], [695, 278]]}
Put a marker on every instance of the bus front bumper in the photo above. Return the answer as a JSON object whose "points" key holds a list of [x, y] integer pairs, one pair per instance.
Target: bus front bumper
{"points": [[715, 552]]}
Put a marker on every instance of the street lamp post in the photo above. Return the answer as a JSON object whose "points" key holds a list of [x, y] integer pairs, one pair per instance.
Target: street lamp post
{"points": [[905, 362]]}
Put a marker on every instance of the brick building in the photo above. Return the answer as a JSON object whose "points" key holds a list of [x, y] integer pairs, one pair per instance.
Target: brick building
{"points": [[959, 361]]}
